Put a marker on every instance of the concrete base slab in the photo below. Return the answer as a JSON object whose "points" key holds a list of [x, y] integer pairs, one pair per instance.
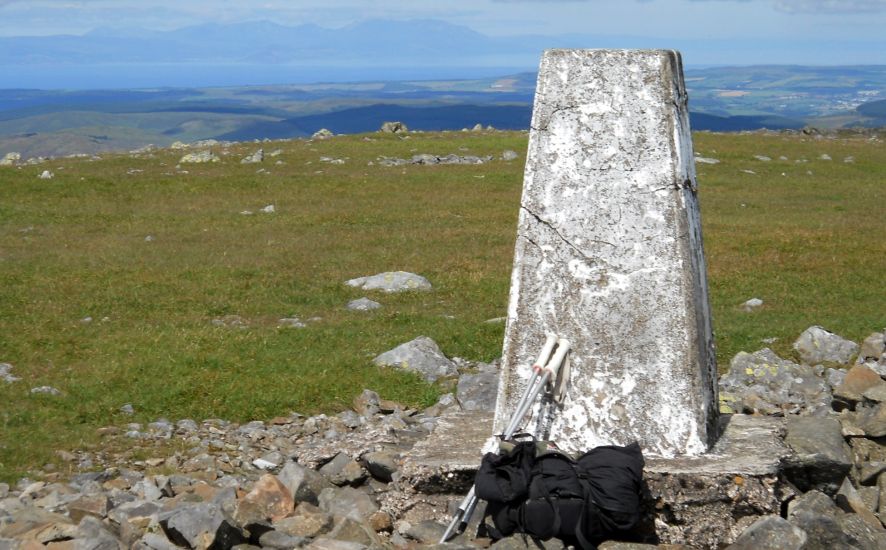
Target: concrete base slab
{"points": [[704, 501]]}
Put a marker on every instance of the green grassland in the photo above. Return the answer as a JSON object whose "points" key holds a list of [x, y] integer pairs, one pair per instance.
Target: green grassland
{"points": [[809, 238]]}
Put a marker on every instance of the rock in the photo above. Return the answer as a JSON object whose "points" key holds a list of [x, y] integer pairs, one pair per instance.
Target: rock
{"points": [[381, 464], [46, 389], [332, 544], [367, 403], [363, 304], [770, 533], [199, 157], [322, 133], [46, 175], [304, 484], [762, 158], [857, 381], [89, 505], [10, 159], [477, 392], [509, 155], [6, 373], [825, 156], [202, 524], [427, 532], [872, 348], [269, 209], [254, 158], [392, 281], [816, 514], [347, 502], [269, 499], [848, 499], [347, 529], [816, 345], [307, 521], [872, 419], [393, 128], [762, 382], [421, 356], [752, 304], [283, 541], [706, 160], [153, 541], [821, 458], [290, 322], [343, 470]]}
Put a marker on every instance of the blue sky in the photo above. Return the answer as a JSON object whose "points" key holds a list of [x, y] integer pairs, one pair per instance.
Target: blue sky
{"points": [[827, 24]]}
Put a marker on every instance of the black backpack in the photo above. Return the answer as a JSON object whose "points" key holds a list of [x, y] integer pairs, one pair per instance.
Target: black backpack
{"points": [[544, 493]]}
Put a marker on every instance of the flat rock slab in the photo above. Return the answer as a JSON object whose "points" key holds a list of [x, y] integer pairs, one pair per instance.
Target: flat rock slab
{"points": [[702, 501], [609, 256]]}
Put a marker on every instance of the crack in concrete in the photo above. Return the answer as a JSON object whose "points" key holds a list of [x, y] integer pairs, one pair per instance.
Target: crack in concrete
{"points": [[549, 225]]}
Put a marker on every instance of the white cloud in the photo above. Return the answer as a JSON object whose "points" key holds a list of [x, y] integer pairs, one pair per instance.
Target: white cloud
{"points": [[818, 6]]}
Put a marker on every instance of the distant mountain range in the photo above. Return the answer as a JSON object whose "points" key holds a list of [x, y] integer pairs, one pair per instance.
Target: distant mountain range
{"points": [[44, 123]]}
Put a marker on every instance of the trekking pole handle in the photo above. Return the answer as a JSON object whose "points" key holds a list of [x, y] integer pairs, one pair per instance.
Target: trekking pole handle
{"points": [[557, 360], [545, 352]]}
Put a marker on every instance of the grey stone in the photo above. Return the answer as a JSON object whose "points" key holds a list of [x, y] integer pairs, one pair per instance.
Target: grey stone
{"points": [[706, 160], [395, 127], [428, 531], [861, 533], [343, 470], [762, 158], [153, 541], [6, 373], [762, 382], [304, 484], [872, 348], [816, 515], [254, 158], [835, 377], [189, 524], [381, 464], [752, 304], [391, 281], [276, 539], [323, 543], [347, 502], [290, 322], [609, 253], [363, 304], [858, 379], [872, 419], [816, 346], [421, 356], [876, 394], [821, 458], [199, 157], [770, 533], [367, 403], [848, 499], [509, 155], [10, 159], [477, 392], [322, 133]]}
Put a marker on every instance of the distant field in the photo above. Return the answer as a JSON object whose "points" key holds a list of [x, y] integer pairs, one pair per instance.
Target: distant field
{"points": [[804, 234]]}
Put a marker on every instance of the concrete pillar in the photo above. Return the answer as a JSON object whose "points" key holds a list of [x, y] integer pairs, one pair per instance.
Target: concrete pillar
{"points": [[609, 255]]}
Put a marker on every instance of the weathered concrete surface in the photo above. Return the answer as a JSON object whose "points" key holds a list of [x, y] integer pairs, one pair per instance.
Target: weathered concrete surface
{"points": [[702, 501], [609, 255]]}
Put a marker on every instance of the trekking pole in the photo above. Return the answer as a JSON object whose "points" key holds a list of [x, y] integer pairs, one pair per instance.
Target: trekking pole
{"points": [[546, 371]]}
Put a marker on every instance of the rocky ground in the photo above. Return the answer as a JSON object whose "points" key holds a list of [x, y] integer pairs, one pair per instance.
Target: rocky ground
{"points": [[337, 482]]}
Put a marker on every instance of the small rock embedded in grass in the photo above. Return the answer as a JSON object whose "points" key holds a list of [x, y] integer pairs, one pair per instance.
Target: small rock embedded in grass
{"points": [[392, 281], [46, 389], [422, 356], [290, 322], [127, 409], [363, 304], [199, 158], [149, 239], [46, 175], [6, 375], [706, 160], [322, 133], [254, 158], [269, 209], [230, 321], [762, 158], [752, 304], [825, 156], [509, 155]]}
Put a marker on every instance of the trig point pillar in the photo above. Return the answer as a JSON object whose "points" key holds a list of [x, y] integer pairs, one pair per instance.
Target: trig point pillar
{"points": [[609, 255]]}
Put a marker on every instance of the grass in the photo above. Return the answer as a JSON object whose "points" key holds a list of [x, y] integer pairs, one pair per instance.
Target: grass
{"points": [[811, 246]]}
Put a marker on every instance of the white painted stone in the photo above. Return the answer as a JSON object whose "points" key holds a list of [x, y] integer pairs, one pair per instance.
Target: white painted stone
{"points": [[609, 255]]}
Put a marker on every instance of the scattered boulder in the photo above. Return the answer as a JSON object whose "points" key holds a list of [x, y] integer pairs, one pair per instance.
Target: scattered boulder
{"points": [[46, 175], [49, 390], [763, 382], [509, 155], [269, 209], [322, 133], [9, 159], [706, 160], [762, 158], [422, 356], [363, 304], [817, 346], [392, 281], [254, 158], [393, 128], [199, 157], [6, 373], [752, 305]]}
